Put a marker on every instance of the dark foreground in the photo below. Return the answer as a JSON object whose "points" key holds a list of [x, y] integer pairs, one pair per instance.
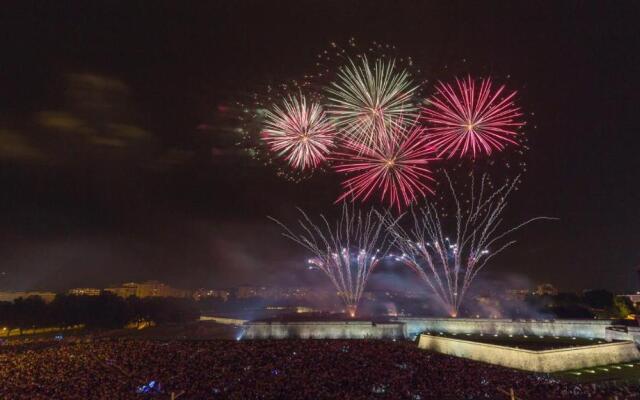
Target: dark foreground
{"points": [[294, 369]]}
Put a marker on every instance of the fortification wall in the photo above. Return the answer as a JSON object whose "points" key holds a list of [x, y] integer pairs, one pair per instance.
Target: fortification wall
{"points": [[538, 361], [566, 327], [323, 330], [623, 333], [410, 328]]}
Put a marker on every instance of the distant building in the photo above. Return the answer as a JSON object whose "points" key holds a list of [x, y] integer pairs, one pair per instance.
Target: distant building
{"points": [[11, 296], [546, 289], [245, 292], [211, 294], [298, 293], [272, 293], [147, 289], [125, 290], [84, 291], [517, 294]]}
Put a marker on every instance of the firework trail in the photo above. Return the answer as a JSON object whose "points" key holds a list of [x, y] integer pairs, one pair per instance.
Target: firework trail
{"points": [[449, 266], [299, 132], [347, 252], [397, 167], [471, 119], [366, 97]]}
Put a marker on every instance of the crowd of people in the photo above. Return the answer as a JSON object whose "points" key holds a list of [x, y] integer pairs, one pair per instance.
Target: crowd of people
{"points": [[126, 368]]}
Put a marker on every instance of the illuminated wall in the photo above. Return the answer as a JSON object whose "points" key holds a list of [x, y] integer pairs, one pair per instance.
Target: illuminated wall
{"points": [[411, 327], [564, 327], [624, 333], [538, 361], [323, 330]]}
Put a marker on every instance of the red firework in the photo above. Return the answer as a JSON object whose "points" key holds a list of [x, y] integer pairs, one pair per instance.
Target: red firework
{"points": [[397, 167], [471, 119]]}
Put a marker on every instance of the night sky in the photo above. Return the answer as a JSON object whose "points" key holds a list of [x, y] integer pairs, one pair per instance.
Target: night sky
{"points": [[117, 159]]}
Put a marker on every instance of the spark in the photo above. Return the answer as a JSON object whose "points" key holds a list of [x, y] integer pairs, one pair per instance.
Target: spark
{"points": [[469, 118], [342, 250], [449, 273]]}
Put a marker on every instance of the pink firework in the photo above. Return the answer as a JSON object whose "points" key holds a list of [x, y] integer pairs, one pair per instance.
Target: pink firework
{"points": [[471, 119], [298, 132], [397, 167]]}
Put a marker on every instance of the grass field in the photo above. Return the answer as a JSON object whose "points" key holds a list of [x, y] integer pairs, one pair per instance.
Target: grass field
{"points": [[625, 372]]}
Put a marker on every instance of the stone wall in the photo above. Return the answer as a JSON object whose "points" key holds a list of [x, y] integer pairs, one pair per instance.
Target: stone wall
{"points": [[565, 327], [410, 328], [323, 330], [538, 361], [623, 333]]}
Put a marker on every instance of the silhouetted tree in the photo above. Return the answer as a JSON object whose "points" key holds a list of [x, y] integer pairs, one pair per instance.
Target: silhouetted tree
{"points": [[622, 307], [600, 299], [104, 311]]}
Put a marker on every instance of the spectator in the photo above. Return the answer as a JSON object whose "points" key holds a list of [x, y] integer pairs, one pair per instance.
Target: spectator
{"points": [[283, 369]]}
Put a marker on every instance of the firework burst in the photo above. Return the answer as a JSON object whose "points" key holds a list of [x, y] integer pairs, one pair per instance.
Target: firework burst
{"points": [[398, 167], [347, 252], [448, 265], [368, 96], [470, 118], [299, 132]]}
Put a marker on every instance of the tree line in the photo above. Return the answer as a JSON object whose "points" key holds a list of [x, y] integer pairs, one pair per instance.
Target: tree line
{"points": [[591, 303], [104, 311]]}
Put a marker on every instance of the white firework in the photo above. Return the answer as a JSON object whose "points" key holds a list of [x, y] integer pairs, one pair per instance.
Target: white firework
{"points": [[367, 96], [299, 132], [347, 251], [448, 265]]}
